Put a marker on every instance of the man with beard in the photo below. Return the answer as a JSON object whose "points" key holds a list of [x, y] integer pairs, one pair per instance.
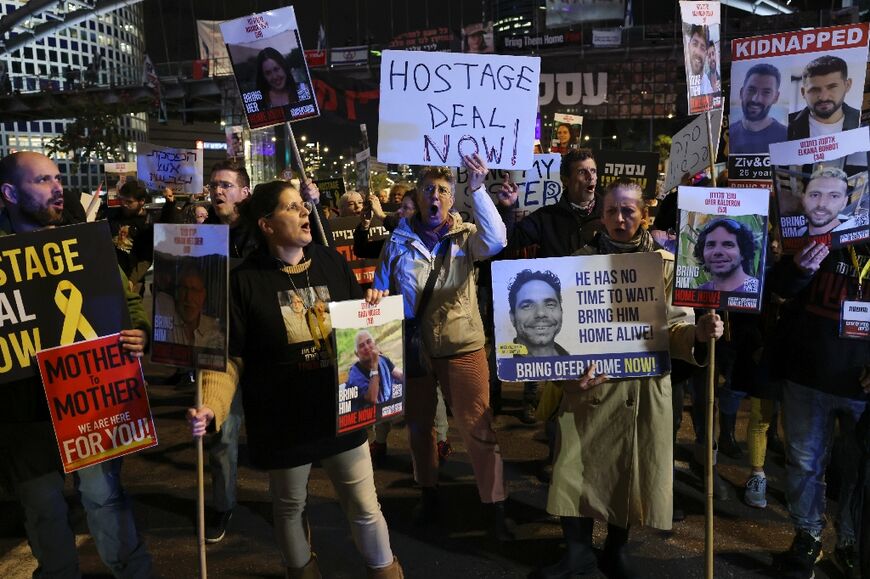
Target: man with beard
{"points": [[32, 192], [756, 130], [825, 84], [535, 299], [824, 197], [696, 52], [726, 250]]}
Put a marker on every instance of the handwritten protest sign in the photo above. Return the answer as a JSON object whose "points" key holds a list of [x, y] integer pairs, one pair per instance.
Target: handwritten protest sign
{"points": [[701, 42], [190, 295], [370, 361], [161, 167], [538, 186], [437, 106], [269, 67], [722, 248], [638, 166], [822, 190], [607, 309], [98, 402], [690, 149], [59, 286], [771, 96]]}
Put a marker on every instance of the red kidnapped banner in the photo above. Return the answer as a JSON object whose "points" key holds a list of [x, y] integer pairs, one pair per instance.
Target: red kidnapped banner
{"points": [[99, 406]]}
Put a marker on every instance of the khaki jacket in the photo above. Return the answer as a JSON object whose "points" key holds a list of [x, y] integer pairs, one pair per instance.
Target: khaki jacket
{"points": [[451, 323], [614, 456]]}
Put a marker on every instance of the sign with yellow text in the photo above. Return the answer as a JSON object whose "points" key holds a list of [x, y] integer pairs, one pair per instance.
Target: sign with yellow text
{"points": [[57, 286]]}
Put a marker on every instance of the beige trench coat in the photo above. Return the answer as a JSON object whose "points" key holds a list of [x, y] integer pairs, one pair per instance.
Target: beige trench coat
{"points": [[614, 455]]}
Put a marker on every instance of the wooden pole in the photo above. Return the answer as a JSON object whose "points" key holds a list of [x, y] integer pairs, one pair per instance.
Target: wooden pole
{"points": [[711, 393], [200, 487], [303, 176]]}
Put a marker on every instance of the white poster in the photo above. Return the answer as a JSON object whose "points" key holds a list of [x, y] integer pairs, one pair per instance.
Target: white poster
{"points": [[160, 167], [690, 149], [436, 107], [555, 316], [722, 248], [370, 361]]}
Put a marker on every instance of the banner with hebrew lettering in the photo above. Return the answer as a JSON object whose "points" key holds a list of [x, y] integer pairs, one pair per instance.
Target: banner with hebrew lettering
{"points": [[57, 286], [637, 166], [161, 167]]}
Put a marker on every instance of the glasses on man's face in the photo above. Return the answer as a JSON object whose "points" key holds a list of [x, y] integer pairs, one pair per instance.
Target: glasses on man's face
{"points": [[293, 207], [215, 185], [443, 191]]}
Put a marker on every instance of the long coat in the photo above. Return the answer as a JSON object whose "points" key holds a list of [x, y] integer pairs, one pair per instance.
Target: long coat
{"points": [[614, 455]]}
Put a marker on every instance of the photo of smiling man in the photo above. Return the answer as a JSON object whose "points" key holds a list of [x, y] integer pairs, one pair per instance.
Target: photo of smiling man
{"points": [[726, 250], [535, 300]]}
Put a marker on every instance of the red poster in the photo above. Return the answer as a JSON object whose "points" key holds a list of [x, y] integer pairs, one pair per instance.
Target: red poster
{"points": [[98, 401]]}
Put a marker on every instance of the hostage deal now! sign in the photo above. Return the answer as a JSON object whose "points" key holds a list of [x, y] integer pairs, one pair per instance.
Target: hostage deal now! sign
{"points": [[98, 403]]}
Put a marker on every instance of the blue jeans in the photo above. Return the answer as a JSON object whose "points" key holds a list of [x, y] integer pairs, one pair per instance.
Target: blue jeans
{"points": [[110, 520], [808, 419], [223, 457]]}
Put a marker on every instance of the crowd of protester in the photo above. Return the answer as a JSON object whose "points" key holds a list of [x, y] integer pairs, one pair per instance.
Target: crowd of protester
{"points": [[611, 440]]}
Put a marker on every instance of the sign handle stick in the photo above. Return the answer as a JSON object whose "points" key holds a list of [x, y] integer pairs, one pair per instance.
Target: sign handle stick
{"points": [[708, 422], [315, 216], [200, 487]]}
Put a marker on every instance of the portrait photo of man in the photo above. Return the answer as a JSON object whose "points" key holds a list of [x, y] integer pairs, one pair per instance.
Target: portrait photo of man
{"points": [[726, 249], [823, 201], [756, 130], [183, 313], [535, 301], [825, 83], [373, 374]]}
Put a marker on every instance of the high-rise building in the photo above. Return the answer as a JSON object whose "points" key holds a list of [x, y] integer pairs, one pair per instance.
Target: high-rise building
{"points": [[103, 50]]}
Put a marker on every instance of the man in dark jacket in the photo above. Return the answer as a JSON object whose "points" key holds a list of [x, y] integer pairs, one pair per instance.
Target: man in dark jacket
{"points": [[825, 84], [826, 382], [32, 193]]}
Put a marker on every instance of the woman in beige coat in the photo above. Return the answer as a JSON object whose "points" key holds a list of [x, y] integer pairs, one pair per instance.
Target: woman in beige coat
{"points": [[614, 458]]}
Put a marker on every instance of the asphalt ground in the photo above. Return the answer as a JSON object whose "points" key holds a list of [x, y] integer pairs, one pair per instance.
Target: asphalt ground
{"points": [[162, 484]]}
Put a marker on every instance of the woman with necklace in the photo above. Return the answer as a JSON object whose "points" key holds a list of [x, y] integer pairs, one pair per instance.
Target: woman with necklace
{"points": [[288, 386]]}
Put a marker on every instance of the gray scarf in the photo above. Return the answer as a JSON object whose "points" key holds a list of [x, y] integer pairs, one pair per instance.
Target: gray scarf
{"points": [[642, 242]]}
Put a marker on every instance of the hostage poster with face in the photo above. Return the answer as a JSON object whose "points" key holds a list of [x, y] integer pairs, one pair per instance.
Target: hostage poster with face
{"points": [[821, 189], [722, 247], [555, 316], [701, 42]]}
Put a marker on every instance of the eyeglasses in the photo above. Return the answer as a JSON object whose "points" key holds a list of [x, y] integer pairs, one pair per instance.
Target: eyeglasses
{"points": [[295, 207], [225, 185], [442, 190]]}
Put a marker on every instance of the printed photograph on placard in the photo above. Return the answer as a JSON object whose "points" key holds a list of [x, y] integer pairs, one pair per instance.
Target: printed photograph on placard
{"points": [[822, 190], [369, 362], [555, 316], [269, 67], [701, 46], [567, 132], [190, 296], [478, 38], [721, 248], [790, 86]]}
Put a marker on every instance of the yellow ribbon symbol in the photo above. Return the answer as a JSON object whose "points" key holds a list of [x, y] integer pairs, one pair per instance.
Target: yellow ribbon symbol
{"points": [[71, 308]]}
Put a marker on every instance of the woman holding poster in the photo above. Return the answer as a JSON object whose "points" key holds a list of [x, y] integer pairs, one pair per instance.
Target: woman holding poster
{"points": [[615, 460], [288, 385]]}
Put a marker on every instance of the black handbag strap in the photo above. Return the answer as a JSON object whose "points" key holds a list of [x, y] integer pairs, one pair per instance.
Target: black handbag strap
{"points": [[433, 275]]}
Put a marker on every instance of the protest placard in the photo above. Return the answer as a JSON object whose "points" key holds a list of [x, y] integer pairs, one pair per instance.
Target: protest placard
{"points": [[773, 96], [690, 149], [269, 67], [116, 175], [567, 132], [342, 232], [638, 166], [478, 38], [722, 248], [701, 43], [539, 186], [98, 401], [60, 285], [821, 189], [331, 191], [436, 107], [235, 141], [607, 309], [160, 167], [190, 295], [855, 320], [369, 362]]}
